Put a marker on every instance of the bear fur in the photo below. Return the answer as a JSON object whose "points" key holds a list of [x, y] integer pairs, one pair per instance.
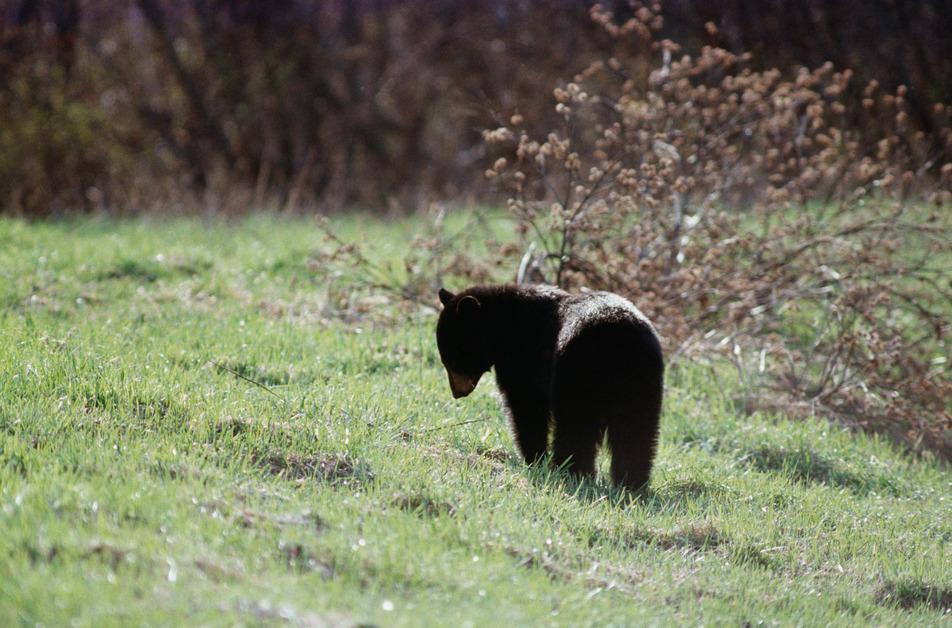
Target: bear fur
{"points": [[581, 365]]}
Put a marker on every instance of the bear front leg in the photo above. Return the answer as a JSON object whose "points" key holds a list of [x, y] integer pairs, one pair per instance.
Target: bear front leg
{"points": [[530, 424]]}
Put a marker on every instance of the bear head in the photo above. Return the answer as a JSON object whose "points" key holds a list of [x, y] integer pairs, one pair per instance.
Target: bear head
{"points": [[458, 336]]}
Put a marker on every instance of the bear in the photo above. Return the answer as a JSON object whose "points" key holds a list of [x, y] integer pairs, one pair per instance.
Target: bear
{"points": [[581, 365]]}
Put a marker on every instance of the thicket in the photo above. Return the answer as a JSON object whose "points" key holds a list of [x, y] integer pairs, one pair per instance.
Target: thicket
{"points": [[226, 105], [751, 215]]}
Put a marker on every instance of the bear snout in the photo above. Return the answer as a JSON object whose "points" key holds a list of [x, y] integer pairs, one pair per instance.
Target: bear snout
{"points": [[461, 385]]}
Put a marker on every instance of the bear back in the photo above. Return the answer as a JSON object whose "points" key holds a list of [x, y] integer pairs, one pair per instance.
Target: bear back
{"points": [[583, 311]]}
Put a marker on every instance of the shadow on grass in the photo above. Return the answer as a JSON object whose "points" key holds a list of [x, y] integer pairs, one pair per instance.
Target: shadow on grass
{"points": [[806, 466], [132, 408], [657, 497], [260, 375], [909, 594], [149, 271], [546, 477], [423, 505]]}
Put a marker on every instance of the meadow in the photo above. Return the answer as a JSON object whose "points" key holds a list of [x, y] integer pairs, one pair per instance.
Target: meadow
{"points": [[209, 423]]}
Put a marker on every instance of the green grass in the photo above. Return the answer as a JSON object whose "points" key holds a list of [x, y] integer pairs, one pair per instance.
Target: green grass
{"points": [[143, 481]]}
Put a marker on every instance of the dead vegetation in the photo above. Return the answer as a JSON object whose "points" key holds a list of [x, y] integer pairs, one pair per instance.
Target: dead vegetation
{"points": [[788, 220], [336, 469]]}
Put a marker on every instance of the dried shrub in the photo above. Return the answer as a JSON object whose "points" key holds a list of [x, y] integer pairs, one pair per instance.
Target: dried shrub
{"points": [[787, 219], [436, 255]]}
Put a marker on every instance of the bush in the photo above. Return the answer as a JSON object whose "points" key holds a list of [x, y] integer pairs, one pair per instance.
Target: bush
{"points": [[749, 214]]}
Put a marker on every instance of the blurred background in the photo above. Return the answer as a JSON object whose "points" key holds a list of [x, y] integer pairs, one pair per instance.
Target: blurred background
{"points": [[223, 106]]}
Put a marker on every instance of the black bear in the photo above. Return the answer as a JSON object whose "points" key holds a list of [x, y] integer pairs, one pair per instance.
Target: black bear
{"points": [[583, 364]]}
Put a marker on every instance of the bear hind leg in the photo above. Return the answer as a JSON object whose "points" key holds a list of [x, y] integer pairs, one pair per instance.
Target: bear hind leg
{"points": [[577, 439], [633, 444]]}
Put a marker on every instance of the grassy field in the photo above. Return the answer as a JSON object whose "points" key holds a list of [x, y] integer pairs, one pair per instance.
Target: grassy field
{"points": [[145, 479]]}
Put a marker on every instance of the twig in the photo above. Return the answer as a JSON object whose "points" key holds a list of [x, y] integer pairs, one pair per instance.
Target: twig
{"points": [[247, 379], [443, 427]]}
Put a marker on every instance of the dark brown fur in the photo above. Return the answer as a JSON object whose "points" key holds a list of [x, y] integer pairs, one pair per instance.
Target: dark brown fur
{"points": [[583, 365]]}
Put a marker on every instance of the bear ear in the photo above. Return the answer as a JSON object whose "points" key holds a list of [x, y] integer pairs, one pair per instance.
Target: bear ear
{"points": [[446, 297], [467, 305]]}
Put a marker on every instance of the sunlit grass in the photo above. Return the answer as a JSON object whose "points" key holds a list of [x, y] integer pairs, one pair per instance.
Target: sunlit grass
{"points": [[144, 479]]}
